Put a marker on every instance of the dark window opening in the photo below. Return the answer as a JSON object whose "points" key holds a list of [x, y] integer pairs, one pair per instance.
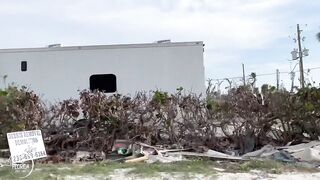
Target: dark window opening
{"points": [[103, 82], [23, 65]]}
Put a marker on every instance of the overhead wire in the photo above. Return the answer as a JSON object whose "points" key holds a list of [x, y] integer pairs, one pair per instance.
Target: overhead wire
{"points": [[265, 74]]}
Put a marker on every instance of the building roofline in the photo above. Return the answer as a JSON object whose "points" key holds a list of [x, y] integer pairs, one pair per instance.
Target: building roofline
{"points": [[95, 47]]}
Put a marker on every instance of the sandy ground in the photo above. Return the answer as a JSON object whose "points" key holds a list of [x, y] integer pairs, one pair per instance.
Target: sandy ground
{"points": [[220, 175], [253, 175]]}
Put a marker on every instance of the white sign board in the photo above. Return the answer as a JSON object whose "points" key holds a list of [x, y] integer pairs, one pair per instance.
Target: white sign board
{"points": [[26, 145]]}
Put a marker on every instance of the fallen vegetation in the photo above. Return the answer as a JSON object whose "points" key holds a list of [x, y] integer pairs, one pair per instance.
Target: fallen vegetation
{"points": [[236, 123]]}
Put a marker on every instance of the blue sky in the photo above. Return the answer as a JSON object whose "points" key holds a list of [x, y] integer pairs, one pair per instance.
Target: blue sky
{"points": [[253, 32]]}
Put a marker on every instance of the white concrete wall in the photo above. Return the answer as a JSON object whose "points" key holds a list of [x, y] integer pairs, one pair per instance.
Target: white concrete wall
{"points": [[57, 73]]}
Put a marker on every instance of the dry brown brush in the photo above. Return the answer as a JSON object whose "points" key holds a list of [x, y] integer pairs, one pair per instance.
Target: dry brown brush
{"points": [[241, 120]]}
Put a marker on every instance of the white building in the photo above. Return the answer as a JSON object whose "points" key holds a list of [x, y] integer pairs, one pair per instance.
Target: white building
{"points": [[57, 73]]}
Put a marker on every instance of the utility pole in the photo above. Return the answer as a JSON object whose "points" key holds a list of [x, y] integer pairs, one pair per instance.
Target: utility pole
{"points": [[278, 78], [300, 58], [292, 75], [243, 75]]}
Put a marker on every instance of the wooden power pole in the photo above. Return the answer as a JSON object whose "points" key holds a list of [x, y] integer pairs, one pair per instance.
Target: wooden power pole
{"points": [[243, 75], [300, 58], [278, 78]]}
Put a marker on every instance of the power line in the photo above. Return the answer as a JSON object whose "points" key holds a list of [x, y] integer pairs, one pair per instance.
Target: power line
{"points": [[220, 79], [265, 74], [299, 70], [314, 68]]}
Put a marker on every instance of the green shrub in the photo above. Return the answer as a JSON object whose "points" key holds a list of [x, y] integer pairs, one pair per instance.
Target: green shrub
{"points": [[20, 109]]}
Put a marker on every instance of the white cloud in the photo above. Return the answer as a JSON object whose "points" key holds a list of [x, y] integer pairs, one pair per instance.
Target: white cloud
{"points": [[229, 28], [220, 23]]}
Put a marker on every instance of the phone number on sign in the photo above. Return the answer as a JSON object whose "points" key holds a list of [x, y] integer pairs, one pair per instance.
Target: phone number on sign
{"points": [[25, 157]]}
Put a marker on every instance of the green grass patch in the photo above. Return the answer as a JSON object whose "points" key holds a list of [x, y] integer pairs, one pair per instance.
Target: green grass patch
{"points": [[269, 166], [54, 171], [187, 169]]}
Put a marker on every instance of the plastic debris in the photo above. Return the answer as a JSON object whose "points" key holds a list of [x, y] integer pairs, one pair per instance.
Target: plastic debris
{"points": [[309, 152], [265, 151], [215, 155]]}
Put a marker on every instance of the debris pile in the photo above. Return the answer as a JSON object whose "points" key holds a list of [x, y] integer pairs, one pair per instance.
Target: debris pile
{"points": [[240, 125]]}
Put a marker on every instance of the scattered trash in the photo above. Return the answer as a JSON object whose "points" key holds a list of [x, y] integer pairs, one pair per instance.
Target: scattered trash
{"points": [[123, 147], [149, 149], [142, 152], [219, 169], [309, 152], [129, 151], [270, 152], [283, 156], [300, 147], [265, 151], [165, 159], [220, 155], [89, 156], [82, 155], [305, 152], [139, 159], [215, 155], [123, 151]]}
